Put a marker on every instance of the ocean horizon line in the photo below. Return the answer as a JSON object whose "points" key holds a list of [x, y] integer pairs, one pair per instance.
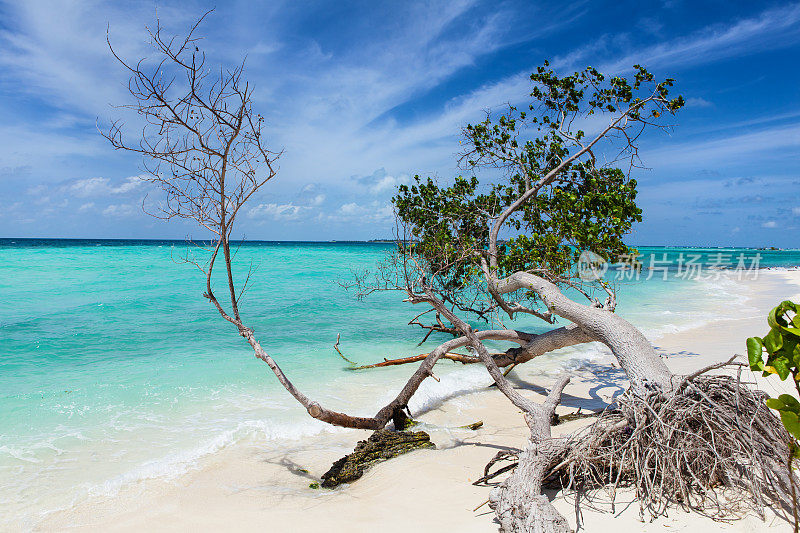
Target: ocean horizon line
{"points": [[12, 240]]}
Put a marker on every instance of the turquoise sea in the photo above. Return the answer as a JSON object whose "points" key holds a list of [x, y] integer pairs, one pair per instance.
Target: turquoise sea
{"points": [[114, 368]]}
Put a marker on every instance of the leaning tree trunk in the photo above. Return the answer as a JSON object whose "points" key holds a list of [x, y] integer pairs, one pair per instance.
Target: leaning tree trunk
{"points": [[519, 503], [642, 365]]}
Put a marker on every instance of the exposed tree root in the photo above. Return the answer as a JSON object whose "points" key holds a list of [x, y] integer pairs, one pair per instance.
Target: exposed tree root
{"points": [[505, 455], [711, 446]]}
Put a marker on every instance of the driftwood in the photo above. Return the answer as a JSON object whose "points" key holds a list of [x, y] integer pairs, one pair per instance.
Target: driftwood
{"points": [[452, 356], [569, 417], [336, 347], [380, 446]]}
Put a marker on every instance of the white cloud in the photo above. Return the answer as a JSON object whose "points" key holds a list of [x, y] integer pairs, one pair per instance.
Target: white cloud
{"points": [[796, 211], [86, 207], [60, 50], [350, 209], [306, 96], [426, 141], [83, 188], [130, 184], [769, 224], [378, 183], [276, 211], [373, 212], [334, 109], [698, 102], [773, 28], [120, 210], [728, 149], [713, 43], [88, 187], [50, 207], [387, 184], [31, 144]]}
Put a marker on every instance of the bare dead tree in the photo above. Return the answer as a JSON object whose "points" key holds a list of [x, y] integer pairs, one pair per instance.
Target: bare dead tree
{"points": [[204, 147]]}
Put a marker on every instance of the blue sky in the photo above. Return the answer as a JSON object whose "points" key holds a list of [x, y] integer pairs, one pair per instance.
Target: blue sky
{"points": [[362, 95]]}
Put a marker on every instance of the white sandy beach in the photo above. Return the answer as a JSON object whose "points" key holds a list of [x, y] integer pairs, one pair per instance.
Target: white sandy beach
{"points": [[244, 488]]}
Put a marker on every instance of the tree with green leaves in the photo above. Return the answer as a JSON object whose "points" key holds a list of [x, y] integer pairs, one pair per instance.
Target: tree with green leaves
{"points": [[550, 199], [509, 246], [556, 181]]}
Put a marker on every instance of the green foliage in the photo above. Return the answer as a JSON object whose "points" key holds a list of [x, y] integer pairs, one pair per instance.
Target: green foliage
{"points": [[781, 346], [582, 206], [447, 221], [789, 409], [584, 210]]}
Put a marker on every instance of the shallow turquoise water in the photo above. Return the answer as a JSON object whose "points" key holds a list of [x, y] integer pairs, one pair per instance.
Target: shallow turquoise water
{"points": [[113, 367]]}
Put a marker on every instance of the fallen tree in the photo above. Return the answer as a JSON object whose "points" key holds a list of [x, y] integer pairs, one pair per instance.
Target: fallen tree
{"points": [[548, 197]]}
